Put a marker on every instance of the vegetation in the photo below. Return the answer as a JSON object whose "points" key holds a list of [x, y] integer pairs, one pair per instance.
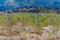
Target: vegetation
{"points": [[38, 19]]}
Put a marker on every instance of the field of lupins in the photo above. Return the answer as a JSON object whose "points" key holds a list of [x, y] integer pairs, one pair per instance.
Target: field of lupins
{"points": [[14, 24]]}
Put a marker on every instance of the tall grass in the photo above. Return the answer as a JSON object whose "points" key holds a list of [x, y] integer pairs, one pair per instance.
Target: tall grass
{"points": [[37, 20]]}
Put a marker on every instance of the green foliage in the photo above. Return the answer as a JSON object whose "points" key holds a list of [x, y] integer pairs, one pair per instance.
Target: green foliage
{"points": [[38, 20], [1, 18], [13, 19]]}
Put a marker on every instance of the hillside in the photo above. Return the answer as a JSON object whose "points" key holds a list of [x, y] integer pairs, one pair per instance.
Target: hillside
{"points": [[30, 26]]}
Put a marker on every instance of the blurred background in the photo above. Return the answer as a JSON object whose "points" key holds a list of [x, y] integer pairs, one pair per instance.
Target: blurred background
{"points": [[13, 4]]}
